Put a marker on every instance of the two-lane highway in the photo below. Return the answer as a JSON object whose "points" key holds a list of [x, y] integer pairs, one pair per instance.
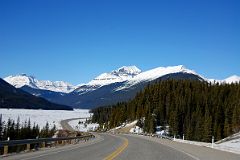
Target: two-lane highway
{"points": [[126, 147], [100, 148]]}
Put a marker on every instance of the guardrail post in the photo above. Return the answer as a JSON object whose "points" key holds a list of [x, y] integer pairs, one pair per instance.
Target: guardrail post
{"points": [[5, 150], [212, 141], [43, 144], [28, 147]]}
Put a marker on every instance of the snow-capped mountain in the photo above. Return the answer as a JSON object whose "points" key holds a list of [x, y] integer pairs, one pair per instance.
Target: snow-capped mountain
{"points": [[21, 80], [132, 75], [121, 74], [123, 84], [108, 88], [124, 73], [229, 80], [232, 79], [155, 73]]}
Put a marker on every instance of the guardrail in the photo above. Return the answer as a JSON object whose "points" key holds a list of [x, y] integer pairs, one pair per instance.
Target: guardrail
{"points": [[42, 142]]}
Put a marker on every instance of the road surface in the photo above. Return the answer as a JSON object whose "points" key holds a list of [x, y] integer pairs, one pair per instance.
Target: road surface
{"points": [[65, 125], [125, 147]]}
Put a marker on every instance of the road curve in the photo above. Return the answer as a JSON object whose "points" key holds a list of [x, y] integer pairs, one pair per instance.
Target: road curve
{"points": [[65, 125]]}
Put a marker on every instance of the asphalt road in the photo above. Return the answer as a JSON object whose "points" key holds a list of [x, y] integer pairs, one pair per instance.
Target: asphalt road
{"points": [[142, 148], [99, 148], [65, 125], [127, 147]]}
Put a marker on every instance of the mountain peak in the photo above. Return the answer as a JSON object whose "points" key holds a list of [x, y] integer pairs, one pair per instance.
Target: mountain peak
{"points": [[21, 80], [119, 75], [130, 70], [232, 79]]}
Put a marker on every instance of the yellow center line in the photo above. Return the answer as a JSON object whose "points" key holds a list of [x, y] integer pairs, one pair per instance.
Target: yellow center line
{"points": [[118, 150]]}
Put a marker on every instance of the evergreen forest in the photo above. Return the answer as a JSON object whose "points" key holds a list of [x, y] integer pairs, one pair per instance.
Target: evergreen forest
{"points": [[197, 109], [12, 130]]}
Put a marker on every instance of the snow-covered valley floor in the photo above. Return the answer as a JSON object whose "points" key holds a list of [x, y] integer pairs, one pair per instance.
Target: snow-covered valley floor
{"points": [[41, 117]]}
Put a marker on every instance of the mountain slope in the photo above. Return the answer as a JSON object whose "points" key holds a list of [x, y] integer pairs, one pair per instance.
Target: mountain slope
{"points": [[11, 97], [21, 80], [111, 94], [119, 75]]}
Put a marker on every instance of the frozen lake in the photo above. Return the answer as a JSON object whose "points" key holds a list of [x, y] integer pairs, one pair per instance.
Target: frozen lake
{"points": [[41, 117]]}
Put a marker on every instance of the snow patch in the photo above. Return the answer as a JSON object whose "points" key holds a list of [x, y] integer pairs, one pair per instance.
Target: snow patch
{"points": [[136, 130], [83, 126]]}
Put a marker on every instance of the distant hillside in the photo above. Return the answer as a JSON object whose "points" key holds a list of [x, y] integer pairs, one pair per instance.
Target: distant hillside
{"points": [[11, 97]]}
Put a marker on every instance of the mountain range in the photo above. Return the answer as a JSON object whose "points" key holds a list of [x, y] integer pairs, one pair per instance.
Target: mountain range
{"points": [[11, 97], [21, 80], [108, 88]]}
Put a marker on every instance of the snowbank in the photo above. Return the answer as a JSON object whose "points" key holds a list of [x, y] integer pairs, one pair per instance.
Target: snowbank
{"points": [[82, 126], [230, 146]]}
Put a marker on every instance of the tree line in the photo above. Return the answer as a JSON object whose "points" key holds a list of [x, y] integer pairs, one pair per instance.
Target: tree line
{"points": [[197, 109], [15, 130]]}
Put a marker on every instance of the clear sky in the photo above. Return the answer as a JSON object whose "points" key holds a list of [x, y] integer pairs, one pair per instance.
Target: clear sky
{"points": [[77, 40]]}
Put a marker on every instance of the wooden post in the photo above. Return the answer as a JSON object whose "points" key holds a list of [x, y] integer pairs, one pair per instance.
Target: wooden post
{"points": [[43, 144], [5, 150], [28, 147]]}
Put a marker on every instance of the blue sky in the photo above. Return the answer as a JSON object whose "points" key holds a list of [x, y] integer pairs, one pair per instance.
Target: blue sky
{"points": [[75, 41]]}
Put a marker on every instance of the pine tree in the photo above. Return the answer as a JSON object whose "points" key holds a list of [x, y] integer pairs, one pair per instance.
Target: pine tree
{"points": [[207, 127], [17, 127]]}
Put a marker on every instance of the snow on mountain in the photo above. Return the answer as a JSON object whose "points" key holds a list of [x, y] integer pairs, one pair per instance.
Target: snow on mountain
{"points": [[161, 71], [24, 80], [21, 80], [132, 75], [232, 79], [157, 73], [122, 74], [229, 80]]}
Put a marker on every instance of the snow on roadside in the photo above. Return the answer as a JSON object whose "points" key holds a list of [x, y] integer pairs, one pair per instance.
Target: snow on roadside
{"points": [[41, 117], [136, 130], [230, 146], [124, 125], [131, 124], [83, 127]]}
